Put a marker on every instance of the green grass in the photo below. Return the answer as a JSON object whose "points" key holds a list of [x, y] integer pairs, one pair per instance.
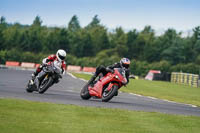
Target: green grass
{"points": [[19, 116], [83, 76], [159, 89]]}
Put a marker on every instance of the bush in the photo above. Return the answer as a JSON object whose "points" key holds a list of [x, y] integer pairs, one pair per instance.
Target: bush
{"points": [[163, 66], [140, 68], [16, 55], [186, 68]]}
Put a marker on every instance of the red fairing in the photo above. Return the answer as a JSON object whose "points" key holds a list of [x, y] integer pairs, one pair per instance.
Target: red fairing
{"points": [[111, 85], [96, 91], [98, 88], [112, 78]]}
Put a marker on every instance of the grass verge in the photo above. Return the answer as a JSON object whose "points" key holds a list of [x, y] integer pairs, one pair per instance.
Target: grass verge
{"points": [[19, 116], [159, 89]]}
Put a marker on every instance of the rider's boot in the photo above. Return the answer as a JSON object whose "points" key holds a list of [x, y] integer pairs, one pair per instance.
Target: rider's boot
{"points": [[33, 75], [91, 81], [98, 71], [38, 70]]}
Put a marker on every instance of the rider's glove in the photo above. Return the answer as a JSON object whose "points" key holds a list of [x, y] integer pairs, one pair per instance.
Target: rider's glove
{"points": [[44, 61]]}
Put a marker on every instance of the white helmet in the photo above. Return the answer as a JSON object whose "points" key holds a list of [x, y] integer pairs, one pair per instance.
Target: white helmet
{"points": [[61, 54]]}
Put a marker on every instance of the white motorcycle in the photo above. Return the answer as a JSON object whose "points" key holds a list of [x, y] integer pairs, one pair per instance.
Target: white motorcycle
{"points": [[46, 78]]}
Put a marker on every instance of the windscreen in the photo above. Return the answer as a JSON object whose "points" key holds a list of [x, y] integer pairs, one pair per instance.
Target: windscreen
{"points": [[121, 71]]}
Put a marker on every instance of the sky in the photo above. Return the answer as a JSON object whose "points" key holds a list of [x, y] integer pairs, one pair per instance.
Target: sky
{"points": [[181, 15]]}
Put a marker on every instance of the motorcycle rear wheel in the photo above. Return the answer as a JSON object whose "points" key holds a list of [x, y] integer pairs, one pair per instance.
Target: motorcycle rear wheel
{"points": [[108, 95], [85, 92], [29, 87]]}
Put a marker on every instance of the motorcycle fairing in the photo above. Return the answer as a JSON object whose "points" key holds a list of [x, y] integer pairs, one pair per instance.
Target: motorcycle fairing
{"points": [[97, 89], [110, 78], [111, 85]]}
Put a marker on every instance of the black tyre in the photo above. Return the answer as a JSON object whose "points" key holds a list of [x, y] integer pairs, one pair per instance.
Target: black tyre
{"points": [[29, 87], [45, 84], [85, 92], [108, 95]]}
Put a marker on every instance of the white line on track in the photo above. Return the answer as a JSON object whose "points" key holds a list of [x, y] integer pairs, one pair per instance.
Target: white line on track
{"points": [[135, 94], [179, 103], [168, 101], [83, 80], [152, 97], [193, 105]]}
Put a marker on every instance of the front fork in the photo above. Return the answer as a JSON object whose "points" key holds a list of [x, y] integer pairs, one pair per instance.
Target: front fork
{"points": [[38, 79], [110, 86]]}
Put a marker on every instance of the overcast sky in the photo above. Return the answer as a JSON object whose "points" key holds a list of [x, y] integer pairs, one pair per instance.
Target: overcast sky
{"points": [[181, 15]]}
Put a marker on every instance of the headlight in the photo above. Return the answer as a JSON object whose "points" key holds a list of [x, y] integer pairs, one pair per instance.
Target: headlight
{"points": [[117, 77]]}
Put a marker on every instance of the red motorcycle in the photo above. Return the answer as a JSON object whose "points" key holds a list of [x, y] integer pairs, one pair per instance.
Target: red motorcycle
{"points": [[105, 87]]}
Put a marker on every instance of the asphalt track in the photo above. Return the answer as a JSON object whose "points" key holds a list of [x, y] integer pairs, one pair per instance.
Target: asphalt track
{"points": [[13, 82]]}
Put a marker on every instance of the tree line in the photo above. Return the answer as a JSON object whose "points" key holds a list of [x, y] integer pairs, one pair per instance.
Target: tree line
{"points": [[95, 45]]}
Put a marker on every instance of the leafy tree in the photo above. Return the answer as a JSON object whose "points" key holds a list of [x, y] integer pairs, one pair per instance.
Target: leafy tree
{"points": [[52, 42], [143, 47], [87, 46], [171, 47], [74, 24], [131, 42], [196, 35], [197, 61], [99, 38], [150, 48], [11, 37], [118, 42], [174, 53], [2, 20], [37, 21], [3, 26], [139, 67], [193, 46], [82, 45], [95, 22]]}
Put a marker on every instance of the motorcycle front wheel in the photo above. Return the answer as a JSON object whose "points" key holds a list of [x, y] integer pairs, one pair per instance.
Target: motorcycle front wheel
{"points": [[108, 95], [45, 84]]}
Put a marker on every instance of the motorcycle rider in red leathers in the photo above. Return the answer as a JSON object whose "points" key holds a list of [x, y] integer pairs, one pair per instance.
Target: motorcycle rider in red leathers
{"points": [[57, 59]]}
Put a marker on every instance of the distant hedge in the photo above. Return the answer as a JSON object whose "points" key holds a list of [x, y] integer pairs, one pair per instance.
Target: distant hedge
{"points": [[140, 68]]}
